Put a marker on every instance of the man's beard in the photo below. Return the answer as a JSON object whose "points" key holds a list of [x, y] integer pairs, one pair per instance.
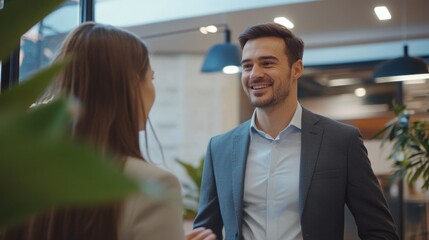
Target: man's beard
{"points": [[266, 103]]}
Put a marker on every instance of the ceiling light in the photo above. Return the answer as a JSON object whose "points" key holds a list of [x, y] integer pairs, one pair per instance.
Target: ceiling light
{"points": [[203, 30], [208, 29], [343, 82], [382, 13], [231, 69], [360, 92], [284, 21], [418, 81], [211, 29], [401, 78]]}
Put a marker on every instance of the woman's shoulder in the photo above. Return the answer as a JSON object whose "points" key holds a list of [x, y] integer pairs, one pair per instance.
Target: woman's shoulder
{"points": [[156, 207], [141, 170]]}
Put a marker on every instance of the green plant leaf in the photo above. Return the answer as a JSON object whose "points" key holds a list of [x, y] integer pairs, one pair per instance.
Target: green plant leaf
{"points": [[398, 108], [398, 174], [17, 17], [200, 173], [418, 172], [190, 170], [20, 97], [195, 174], [417, 154], [381, 132], [426, 184], [40, 168]]}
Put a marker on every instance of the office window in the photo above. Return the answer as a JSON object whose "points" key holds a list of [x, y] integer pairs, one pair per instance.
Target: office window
{"points": [[40, 44]]}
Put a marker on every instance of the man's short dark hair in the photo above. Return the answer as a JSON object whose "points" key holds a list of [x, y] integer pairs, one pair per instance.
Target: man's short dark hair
{"points": [[294, 45]]}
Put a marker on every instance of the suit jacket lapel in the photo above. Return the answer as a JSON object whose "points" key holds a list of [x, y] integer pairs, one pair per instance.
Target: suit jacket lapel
{"points": [[311, 137], [240, 149]]}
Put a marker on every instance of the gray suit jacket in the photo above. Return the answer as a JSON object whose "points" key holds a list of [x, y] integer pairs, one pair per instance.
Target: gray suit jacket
{"points": [[335, 171]]}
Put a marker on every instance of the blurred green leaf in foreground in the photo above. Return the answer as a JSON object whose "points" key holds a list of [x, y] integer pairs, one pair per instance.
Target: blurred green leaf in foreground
{"points": [[40, 166]]}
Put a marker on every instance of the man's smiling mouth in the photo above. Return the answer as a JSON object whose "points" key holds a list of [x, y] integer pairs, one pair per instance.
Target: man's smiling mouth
{"points": [[259, 86]]}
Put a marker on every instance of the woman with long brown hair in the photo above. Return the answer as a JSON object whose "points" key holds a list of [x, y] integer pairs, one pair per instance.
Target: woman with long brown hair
{"points": [[111, 76]]}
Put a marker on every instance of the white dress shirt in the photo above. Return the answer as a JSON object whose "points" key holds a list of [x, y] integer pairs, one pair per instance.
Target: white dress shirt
{"points": [[271, 184]]}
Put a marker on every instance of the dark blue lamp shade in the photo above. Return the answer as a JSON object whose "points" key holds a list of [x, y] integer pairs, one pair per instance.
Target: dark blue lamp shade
{"points": [[220, 56], [401, 66]]}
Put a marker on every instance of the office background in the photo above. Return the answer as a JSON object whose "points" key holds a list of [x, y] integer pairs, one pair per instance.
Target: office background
{"points": [[344, 44]]}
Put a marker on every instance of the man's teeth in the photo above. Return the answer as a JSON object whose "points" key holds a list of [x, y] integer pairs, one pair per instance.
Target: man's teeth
{"points": [[259, 87]]}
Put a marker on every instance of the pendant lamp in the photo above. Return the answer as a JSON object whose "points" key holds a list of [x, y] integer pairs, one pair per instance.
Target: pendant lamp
{"points": [[224, 57], [401, 69]]}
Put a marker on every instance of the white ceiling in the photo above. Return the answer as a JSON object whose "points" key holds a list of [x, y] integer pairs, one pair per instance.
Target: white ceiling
{"points": [[137, 12], [321, 24]]}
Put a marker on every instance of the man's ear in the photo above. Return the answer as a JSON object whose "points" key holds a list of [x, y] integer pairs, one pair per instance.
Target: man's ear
{"points": [[297, 68]]}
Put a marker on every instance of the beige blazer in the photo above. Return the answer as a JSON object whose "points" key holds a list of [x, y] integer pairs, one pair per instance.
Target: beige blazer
{"points": [[158, 212]]}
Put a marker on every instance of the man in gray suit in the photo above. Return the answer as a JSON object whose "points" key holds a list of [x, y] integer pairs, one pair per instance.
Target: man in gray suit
{"points": [[287, 173]]}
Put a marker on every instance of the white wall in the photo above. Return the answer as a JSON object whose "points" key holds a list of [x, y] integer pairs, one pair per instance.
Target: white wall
{"points": [[190, 107], [378, 155]]}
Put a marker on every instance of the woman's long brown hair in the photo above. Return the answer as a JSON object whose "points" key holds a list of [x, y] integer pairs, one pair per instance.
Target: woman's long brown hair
{"points": [[107, 65]]}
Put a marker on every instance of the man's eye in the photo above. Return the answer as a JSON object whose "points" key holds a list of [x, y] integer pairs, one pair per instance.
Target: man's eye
{"points": [[247, 67], [267, 64]]}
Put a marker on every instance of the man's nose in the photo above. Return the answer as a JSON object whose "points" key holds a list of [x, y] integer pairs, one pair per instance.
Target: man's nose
{"points": [[257, 72]]}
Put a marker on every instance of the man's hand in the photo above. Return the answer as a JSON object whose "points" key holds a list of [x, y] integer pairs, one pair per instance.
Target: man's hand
{"points": [[201, 234]]}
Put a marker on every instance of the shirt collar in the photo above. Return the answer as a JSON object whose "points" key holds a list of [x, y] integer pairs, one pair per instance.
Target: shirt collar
{"points": [[297, 117], [295, 121]]}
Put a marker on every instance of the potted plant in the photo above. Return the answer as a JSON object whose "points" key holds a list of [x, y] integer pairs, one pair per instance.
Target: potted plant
{"points": [[410, 151]]}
